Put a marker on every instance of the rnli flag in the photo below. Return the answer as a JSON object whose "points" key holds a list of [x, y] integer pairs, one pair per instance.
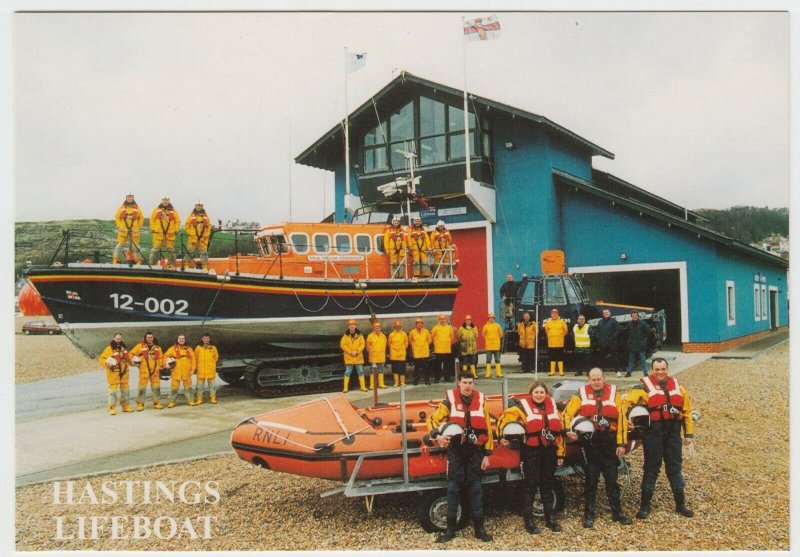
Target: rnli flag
{"points": [[355, 61], [482, 28]]}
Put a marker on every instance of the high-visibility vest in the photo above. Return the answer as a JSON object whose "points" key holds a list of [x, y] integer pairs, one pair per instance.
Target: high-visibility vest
{"points": [[659, 401], [606, 402], [477, 419], [535, 421], [581, 335]]}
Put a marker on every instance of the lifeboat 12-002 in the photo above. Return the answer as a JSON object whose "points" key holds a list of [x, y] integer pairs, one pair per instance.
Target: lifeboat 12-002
{"points": [[275, 314]]}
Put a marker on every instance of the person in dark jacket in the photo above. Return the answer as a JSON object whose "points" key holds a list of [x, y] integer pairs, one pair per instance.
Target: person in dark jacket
{"points": [[508, 295], [637, 343], [606, 333]]}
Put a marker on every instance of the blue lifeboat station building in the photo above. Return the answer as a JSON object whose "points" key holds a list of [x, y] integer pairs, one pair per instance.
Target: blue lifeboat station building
{"points": [[533, 188]]}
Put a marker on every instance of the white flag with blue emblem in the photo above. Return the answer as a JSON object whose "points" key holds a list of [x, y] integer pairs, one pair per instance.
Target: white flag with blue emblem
{"points": [[354, 61]]}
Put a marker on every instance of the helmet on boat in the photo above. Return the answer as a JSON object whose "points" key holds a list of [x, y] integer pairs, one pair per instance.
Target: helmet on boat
{"points": [[640, 418], [450, 429], [583, 426], [165, 196], [395, 219], [440, 224], [198, 202], [514, 431], [351, 322]]}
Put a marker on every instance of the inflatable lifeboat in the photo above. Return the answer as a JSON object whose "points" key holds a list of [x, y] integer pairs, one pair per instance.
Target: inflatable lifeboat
{"points": [[326, 438]]}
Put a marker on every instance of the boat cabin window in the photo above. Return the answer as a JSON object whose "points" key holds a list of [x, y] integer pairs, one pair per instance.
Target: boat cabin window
{"points": [[299, 242], [379, 243], [573, 294], [342, 243], [362, 243], [322, 243], [278, 243], [554, 292]]}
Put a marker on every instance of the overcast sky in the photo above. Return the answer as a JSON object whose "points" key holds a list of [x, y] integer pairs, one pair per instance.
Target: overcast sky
{"points": [[695, 106]]}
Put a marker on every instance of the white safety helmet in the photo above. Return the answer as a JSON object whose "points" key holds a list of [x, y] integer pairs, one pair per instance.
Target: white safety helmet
{"points": [[136, 359], [111, 361], [639, 417], [514, 431], [583, 426], [440, 223], [395, 219], [170, 362], [450, 429]]}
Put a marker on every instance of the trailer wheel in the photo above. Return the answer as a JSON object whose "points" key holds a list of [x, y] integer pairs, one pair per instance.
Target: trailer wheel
{"points": [[432, 512], [559, 501]]}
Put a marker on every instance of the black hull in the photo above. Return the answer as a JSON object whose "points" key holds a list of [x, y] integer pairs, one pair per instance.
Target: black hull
{"points": [[245, 314]]}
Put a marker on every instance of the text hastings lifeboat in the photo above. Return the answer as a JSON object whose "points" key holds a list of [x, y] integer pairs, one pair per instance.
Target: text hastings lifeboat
{"points": [[294, 295]]}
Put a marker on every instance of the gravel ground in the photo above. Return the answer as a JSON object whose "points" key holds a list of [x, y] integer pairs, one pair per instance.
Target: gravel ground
{"points": [[737, 484], [38, 357]]}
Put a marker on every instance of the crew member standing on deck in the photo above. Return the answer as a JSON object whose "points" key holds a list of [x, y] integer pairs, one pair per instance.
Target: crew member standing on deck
{"points": [[198, 233], [394, 244], [149, 357], [164, 224], [419, 244], [129, 219], [115, 359], [444, 259]]}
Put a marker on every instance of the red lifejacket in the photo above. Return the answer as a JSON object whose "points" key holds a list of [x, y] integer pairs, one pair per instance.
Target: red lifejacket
{"points": [[442, 240], [477, 420], [150, 352], [182, 351], [607, 407], [535, 427], [659, 401]]}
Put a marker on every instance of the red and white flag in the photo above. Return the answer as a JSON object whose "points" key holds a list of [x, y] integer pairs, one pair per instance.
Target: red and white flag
{"points": [[482, 28]]}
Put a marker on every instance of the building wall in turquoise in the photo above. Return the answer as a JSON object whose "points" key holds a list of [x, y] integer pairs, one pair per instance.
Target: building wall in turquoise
{"points": [[597, 232]]}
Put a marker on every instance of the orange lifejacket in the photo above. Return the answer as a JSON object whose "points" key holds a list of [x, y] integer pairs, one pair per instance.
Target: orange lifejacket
{"points": [[441, 240], [535, 427], [477, 420], [660, 402], [605, 406]]}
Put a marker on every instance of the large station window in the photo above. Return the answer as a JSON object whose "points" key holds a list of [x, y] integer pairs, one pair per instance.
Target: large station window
{"points": [[375, 149]]}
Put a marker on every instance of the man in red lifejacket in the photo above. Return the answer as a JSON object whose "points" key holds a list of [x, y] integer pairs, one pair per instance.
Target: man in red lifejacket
{"points": [[465, 410], [670, 411], [600, 403]]}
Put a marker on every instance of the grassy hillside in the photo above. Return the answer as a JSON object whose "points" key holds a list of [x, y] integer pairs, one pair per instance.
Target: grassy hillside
{"points": [[36, 242]]}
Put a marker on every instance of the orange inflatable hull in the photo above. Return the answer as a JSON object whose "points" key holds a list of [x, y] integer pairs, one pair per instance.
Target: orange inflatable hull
{"points": [[324, 438]]}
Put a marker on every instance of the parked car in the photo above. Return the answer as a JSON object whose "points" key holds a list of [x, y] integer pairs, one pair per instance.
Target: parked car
{"points": [[40, 328]]}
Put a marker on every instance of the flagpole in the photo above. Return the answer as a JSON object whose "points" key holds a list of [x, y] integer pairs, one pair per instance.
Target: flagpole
{"points": [[346, 142], [466, 113]]}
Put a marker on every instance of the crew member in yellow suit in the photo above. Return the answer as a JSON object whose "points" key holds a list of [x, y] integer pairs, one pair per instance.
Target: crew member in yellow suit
{"points": [[115, 359], [352, 345], [394, 244], [444, 256], [198, 233], [420, 246], [129, 219], [492, 334], [443, 336], [149, 357], [398, 350], [180, 359], [376, 351], [164, 224], [556, 330], [205, 358]]}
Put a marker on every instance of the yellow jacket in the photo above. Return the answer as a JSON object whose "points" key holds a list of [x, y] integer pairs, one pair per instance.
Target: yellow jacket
{"points": [[516, 414], [573, 408], [442, 338], [164, 221], [376, 347], [492, 334], [442, 413], [638, 396], [206, 361], [129, 217], [440, 240], [556, 330], [350, 344], [420, 342], [184, 359], [198, 225], [527, 334], [417, 239], [154, 360], [120, 355], [468, 340], [398, 344], [394, 239]]}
